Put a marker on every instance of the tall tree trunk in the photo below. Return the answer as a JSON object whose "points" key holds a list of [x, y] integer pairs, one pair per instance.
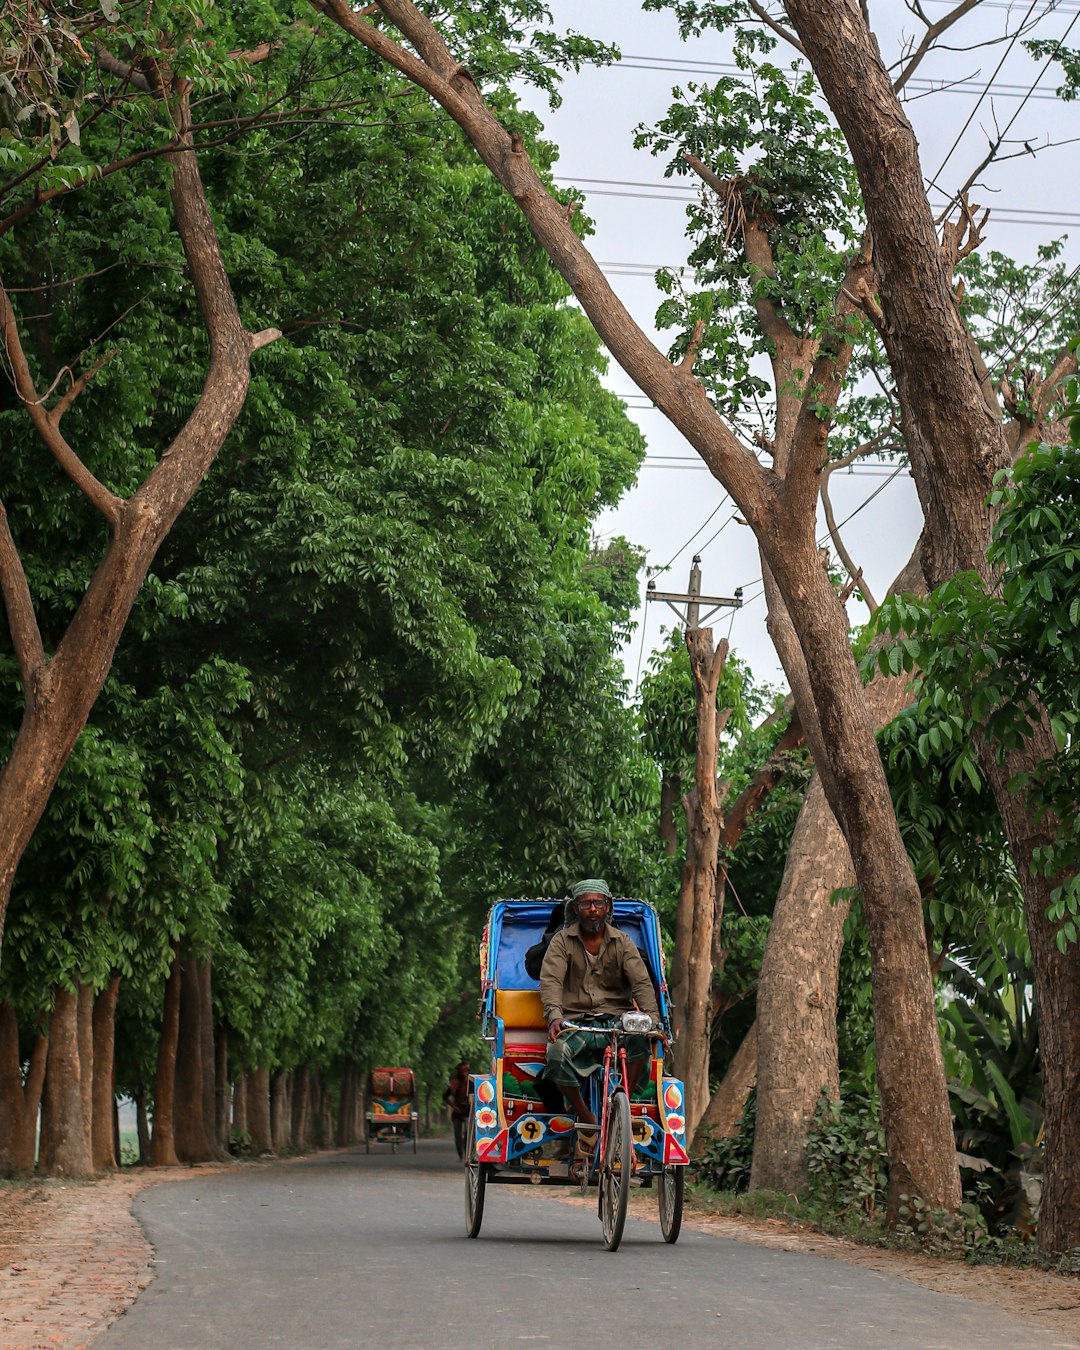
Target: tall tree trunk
{"points": [[84, 1012], [103, 1130], [258, 1106], [279, 1111], [222, 1092], [67, 1132], [346, 1126], [724, 1112], [797, 985], [163, 1145], [796, 1001], [302, 1108], [20, 1099], [961, 446], [216, 1150], [239, 1107], [1057, 992], [193, 1141], [142, 1130]]}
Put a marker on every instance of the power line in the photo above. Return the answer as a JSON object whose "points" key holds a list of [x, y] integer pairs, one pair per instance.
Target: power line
{"points": [[1030, 93], [712, 513], [686, 66], [1007, 215]]}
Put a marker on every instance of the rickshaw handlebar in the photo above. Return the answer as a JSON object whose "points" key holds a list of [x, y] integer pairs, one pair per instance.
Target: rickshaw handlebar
{"points": [[654, 1033]]}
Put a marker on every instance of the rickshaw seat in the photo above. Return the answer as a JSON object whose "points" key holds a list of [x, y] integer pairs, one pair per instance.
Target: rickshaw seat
{"points": [[520, 1009]]}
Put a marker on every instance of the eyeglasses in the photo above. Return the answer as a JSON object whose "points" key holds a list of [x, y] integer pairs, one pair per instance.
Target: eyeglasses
{"points": [[592, 904]]}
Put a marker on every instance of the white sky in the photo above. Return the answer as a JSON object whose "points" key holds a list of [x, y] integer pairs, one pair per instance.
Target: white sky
{"points": [[677, 507]]}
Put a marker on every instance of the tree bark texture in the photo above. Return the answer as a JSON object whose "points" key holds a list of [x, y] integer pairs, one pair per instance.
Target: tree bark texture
{"points": [[20, 1099], [724, 1112], [302, 1128], [258, 1106], [66, 1151], [1057, 986], [194, 1076], [222, 1092], [347, 1108], [103, 1120], [797, 985], [796, 1002], [239, 1107], [85, 1016], [280, 1111], [163, 1144]]}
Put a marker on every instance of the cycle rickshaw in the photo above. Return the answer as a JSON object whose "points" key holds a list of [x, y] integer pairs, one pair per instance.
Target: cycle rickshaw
{"points": [[514, 1138], [390, 1113]]}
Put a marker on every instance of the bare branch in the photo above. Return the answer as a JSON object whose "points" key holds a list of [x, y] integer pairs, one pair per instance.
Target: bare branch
{"points": [[855, 573], [933, 32], [95, 492], [121, 69], [25, 634], [264, 338], [77, 386], [690, 356]]}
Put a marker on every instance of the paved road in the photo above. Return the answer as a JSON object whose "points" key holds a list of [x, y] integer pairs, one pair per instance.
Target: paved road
{"points": [[348, 1250]]}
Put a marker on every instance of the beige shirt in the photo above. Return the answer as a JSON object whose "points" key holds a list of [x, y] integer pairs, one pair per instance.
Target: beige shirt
{"points": [[573, 983]]}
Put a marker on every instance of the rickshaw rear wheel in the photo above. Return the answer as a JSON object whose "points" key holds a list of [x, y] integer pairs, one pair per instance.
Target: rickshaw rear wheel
{"points": [[475, 1183], [672, 1184], [615, 1170]]}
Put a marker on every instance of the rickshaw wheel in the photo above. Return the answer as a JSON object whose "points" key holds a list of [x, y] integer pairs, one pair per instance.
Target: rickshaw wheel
{"points": [[475, 1183], [672, 1182], [615, 1170]]}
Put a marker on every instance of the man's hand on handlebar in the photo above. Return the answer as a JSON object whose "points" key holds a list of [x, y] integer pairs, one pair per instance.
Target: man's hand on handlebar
{"points": [[554, 1028]]}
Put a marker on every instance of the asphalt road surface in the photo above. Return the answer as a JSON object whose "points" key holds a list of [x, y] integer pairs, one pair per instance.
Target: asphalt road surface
{"points": [[351, 1250]]}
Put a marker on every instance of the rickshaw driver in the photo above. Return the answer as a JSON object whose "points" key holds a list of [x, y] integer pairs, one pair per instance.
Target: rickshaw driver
{"points": [[591, 972]]}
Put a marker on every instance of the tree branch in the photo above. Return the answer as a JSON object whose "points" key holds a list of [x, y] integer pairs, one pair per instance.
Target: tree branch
{"points": [[77, 386], [25, 634], [95, 492], [933, 32], [855, 573]]}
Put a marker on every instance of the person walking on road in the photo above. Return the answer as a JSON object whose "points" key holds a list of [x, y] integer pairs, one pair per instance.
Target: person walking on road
{"points": [[456, 1097]]}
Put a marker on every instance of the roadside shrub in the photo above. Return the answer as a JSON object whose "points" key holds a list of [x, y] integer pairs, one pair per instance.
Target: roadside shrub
{"points": [[845, 1156], [725, 1163]]}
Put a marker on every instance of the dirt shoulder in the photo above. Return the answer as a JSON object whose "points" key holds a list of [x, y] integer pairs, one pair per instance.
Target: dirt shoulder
{"points": [[73, 1258]]}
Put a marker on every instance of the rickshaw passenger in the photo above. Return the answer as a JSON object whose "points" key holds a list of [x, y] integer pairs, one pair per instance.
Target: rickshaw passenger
{"points": [[592, 970]]}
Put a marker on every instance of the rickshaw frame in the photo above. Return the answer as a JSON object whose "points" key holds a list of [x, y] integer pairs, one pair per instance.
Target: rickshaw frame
{"points": [[510, 1140]]}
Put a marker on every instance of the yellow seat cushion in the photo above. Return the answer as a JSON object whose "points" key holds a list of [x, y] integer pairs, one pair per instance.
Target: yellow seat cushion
{"points": [[520, 1008]]}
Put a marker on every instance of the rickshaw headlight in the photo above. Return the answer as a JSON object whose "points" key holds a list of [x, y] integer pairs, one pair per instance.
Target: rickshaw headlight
{"points": [[636, 1021]]}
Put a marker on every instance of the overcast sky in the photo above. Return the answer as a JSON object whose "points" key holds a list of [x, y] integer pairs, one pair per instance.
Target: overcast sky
{"points": [[677, 508]]}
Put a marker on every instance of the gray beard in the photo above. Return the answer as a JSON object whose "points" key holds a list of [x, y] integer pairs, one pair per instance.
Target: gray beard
{"points": [[592, 926]]}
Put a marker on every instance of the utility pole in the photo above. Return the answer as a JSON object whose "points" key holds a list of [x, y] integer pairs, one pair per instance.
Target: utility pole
{"points": [[692, 617], [700, 908]]}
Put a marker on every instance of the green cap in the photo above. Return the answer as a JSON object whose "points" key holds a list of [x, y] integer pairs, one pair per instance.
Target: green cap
{"points": [[591, 886]]}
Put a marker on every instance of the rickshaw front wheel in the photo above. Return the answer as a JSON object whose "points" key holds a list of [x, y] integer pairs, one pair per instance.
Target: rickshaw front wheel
{"points": [[672, 1184], [615, 1170], [475, 1183]]}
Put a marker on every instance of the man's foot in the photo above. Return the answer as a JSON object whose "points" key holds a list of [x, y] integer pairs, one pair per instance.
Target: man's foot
{"points": [[588, 1134]]}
